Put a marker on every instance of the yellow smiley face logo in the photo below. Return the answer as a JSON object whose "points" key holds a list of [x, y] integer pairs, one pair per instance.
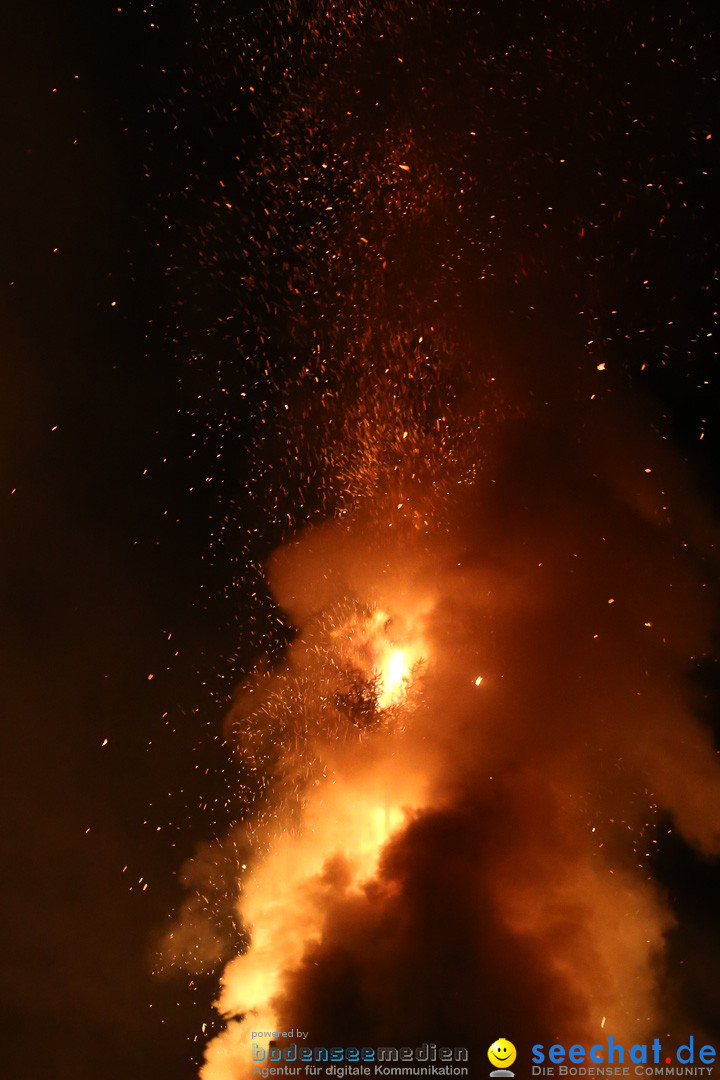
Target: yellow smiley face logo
{"points": [[502, 1053]]}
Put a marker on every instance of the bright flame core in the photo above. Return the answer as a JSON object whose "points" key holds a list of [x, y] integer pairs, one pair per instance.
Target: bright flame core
{"points": [[394, 676]]}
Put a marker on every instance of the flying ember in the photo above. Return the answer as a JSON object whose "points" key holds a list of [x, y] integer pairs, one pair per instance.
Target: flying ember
{"points": [[453, 482]]}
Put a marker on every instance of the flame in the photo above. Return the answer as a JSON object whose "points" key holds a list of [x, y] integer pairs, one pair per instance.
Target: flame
{"points": [[394, 677], [348, 820], [447, 537], [342, 702], [399, 658], [354, 762], [386, 649]]}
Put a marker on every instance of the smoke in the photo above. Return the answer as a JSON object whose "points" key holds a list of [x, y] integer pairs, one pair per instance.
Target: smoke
{"points": [[483, 726], [485, 850]]}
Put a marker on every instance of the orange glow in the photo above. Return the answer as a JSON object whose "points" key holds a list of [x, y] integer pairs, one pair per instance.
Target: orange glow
{"points": [[348, 820], [393, 678]]}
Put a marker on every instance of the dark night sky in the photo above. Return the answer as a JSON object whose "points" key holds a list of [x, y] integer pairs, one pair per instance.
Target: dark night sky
{"points": [[92, 574], [98, 563]]}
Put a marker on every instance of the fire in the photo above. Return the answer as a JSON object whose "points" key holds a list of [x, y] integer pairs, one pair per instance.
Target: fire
{"points": [[393, 679], [387, 650], [380, 758], [348, 820], [400, 655], [340, 797], [466, 523]]}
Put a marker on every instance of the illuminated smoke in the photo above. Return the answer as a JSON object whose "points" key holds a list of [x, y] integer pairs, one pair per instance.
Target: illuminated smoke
{"points": [[457, 776], [490, 844]]}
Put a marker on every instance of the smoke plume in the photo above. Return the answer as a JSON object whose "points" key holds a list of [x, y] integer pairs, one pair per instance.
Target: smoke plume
{"points": [[483, 726], [485, 850]]}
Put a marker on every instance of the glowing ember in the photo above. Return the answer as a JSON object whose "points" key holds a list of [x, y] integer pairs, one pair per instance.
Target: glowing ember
{"points": [[448, 493]]}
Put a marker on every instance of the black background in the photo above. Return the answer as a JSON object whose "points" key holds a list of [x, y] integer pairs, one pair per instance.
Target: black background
{"points": [[99, 563]]}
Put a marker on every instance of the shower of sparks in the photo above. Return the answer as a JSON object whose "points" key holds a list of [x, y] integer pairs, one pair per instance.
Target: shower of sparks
{"points": [[392, 204]]}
